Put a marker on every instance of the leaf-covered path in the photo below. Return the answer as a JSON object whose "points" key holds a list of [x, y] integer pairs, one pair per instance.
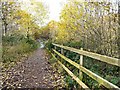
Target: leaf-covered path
{"points": [[35, 72]]}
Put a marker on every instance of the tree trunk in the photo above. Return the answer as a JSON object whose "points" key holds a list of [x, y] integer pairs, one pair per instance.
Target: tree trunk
{"points": [[28, 33], [4, 23], [118, 41]]}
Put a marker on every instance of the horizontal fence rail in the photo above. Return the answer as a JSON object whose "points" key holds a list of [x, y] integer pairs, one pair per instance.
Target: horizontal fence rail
{"points": [[72, 75], [103, 58], [99, 79]]}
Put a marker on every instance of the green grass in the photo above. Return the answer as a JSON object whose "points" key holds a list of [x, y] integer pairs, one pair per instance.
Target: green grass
{"points": [[15, 47]]}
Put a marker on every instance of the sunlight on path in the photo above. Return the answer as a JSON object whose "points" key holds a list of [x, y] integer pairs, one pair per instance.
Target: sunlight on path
{"points": [[41, 44]]}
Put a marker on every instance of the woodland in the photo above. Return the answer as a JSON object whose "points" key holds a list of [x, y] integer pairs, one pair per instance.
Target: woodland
{"points": [[93, 26]]}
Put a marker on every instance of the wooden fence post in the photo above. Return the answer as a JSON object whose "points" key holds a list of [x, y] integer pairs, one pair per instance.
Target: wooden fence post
{"points": [[62, 51], [55, 49], [81, 64]]}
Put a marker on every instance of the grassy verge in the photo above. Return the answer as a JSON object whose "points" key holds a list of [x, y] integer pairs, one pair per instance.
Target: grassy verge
{"points": [[15, 47]]}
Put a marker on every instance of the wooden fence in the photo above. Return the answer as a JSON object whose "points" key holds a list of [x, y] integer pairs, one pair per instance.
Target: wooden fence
{"points": [[103, 58]]}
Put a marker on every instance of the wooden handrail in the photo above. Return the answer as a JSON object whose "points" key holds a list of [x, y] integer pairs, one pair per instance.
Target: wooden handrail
{"points": [[99, 79], [103, 58]]}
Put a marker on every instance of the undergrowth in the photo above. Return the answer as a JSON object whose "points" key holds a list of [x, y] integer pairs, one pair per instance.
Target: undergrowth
{"points": [[108, 72], [16, 46]]}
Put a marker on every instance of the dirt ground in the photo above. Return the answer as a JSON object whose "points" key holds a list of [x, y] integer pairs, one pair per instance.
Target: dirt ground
{"points": [[35, 72]]}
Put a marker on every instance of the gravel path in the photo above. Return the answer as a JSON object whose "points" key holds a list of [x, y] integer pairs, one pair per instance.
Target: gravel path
{"points": [[35, 72]]}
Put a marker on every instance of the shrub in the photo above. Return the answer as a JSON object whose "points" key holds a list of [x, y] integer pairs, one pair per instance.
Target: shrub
{"points": [[49, 45], [36, 35], [15, 46]]}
